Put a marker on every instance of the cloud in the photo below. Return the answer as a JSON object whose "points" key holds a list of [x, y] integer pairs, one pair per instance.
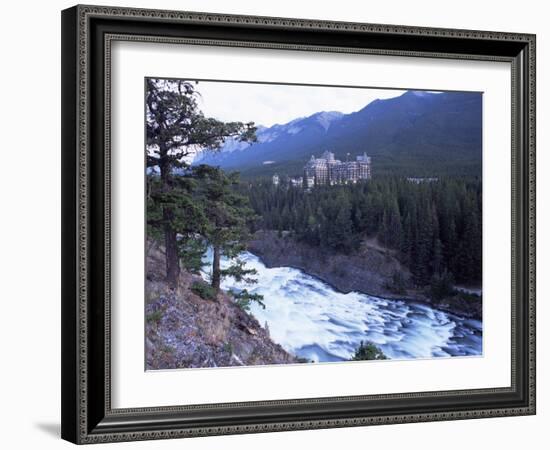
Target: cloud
{"points": [[268, 104]]}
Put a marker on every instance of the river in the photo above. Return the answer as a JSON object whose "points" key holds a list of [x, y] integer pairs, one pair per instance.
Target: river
{"points": [[312, 320]]}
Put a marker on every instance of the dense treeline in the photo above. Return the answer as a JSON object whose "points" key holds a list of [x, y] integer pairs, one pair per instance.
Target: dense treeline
{"points": [[434, 226]]}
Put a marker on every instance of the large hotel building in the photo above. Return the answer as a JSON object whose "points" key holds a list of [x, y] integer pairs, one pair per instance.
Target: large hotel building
{"points": [[328, 170]]}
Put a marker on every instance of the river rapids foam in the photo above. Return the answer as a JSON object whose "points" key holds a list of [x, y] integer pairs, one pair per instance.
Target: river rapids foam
{"points": [[312, 320]]}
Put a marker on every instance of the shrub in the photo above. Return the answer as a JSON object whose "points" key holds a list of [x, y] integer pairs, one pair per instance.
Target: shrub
{"points": [[228, 348], [468, 297], [368, 351], [203, 290], [154, 316], [441, 286], [244, 298], [302, 360]]}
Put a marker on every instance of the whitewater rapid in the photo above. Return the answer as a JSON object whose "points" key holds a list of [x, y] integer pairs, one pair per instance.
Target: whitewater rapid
{"points": [[312, 320]]}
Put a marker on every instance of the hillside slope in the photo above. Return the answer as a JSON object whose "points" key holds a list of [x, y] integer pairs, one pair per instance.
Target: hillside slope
{"points": [[182, 330]]}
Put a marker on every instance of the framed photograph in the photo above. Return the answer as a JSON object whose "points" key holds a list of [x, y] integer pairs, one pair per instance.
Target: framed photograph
{"points": [[280, 224]]}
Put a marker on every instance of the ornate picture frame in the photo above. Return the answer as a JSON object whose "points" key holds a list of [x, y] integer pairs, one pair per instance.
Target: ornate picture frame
{"points": [[88, 33]]}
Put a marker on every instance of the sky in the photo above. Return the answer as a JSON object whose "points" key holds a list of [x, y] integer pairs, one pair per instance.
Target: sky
{"points": [[269, 104]]}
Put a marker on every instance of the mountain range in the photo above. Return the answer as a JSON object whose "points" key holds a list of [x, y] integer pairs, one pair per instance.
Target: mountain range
{"points": [[415, 134]]}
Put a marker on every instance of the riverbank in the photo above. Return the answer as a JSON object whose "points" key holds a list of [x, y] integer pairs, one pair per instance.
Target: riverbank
{"points": [[184, 330], [316, 322], [370, 271]]}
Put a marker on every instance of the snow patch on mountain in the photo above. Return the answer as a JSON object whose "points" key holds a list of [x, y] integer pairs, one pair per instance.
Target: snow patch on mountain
{"points": [[326, 118], [269, 134], [266, 136], [294, 130]]}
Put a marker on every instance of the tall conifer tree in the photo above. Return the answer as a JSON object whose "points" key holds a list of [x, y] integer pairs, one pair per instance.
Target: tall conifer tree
{"points": [[176, 129]]}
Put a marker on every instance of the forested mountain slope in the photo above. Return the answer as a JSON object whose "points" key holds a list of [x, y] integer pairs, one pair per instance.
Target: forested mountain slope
{"points": [[415, 134]]}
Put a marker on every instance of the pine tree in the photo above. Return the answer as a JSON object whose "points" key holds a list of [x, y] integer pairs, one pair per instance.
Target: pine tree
{"points": [[340, 236], [424, 244], [391, 225], [407, 240], [176, 128], [437, 257], [228, 215], [470, 246]]}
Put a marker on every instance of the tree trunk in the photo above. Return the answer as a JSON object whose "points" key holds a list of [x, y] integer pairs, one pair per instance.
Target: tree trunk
{"points": [[216, 271], [172, 259], [170, 235]]}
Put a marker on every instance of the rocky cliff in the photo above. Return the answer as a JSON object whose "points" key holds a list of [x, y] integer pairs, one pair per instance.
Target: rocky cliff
{"points": [[370, 270]]}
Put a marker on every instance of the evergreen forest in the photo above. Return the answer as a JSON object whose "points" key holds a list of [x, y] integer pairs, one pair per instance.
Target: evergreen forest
{"points": [[434, 227]]}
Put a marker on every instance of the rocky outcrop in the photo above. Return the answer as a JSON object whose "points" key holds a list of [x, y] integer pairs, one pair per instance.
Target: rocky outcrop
{"points": [[369, 270], [183, 330]]}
